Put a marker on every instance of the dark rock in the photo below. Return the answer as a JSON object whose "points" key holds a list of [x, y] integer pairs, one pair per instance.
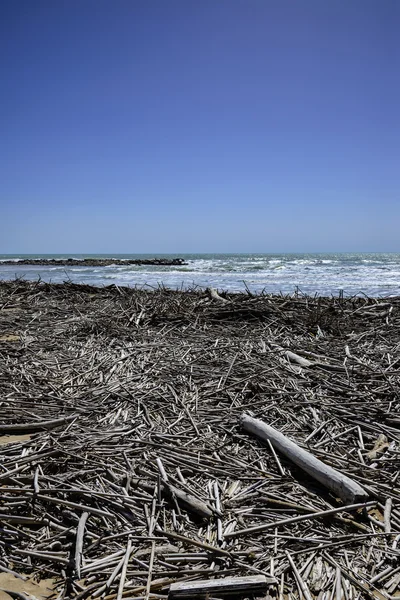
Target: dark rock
{"points": [[96, 262]]}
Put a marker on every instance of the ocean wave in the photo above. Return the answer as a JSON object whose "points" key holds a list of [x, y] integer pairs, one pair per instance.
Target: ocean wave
{"points": [[325, 274], [9, 259], [86, 270]]}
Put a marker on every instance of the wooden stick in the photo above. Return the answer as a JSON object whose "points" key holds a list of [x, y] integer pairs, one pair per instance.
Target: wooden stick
{"points": [[387, 515], [36, 426], [187, 540], [278, 462], [309, 516], [303, 588], [79, 543], [253, 584], [220, 536], [89, 509], [347, 489], [149, 576], [124, 569], [189, 501]]}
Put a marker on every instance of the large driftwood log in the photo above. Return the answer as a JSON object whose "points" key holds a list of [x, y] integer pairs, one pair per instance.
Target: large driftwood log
{"points": [[344, 487], [228, 586]]}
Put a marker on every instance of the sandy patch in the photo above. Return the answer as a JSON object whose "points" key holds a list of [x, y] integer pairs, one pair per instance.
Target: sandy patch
{"points": [[32, 589], [9, 337], [12, 439]]}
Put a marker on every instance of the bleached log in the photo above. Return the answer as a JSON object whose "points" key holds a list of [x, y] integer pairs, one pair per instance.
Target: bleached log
{"points": [[303, 362], [344, 487], [228, 586], [215, 296]]}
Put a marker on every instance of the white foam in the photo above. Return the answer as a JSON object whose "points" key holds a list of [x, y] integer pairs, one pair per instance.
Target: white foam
{"points": [[323, 274]]}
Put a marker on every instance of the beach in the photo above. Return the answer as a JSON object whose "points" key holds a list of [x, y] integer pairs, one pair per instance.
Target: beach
{"points": [[126, 463], [200, 300]]}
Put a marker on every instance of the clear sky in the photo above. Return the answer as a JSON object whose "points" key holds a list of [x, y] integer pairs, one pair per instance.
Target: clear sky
{"points": [[199, 125]]}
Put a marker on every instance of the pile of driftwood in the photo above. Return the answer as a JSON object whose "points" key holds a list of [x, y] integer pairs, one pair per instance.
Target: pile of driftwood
{"points": [[160, 444]]}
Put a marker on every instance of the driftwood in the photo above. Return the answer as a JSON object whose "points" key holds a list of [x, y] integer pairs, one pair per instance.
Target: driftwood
{"points": [[306, 363], [215, 296], [347, 489], [153, 384], [306, 517], [79, 543], [300, 360], [35, 426], [188, 501], [229, 586]]}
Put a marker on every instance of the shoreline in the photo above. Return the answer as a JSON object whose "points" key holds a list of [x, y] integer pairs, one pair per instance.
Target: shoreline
{"points": [[330, 275], [297, 291], [121, 416]]}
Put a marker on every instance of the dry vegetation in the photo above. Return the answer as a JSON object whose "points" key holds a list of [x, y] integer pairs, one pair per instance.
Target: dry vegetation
{"points": [[150, 479]]}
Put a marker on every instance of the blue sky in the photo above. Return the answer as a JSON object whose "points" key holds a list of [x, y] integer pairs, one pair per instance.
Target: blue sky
{"points": [[199, 125]]}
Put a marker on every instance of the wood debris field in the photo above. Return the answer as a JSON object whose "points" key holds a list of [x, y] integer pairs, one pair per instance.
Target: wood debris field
{"points": [[131, 467]]}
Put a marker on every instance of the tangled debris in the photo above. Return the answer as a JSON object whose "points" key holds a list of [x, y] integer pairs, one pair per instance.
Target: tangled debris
{"points": [[124, 469]]}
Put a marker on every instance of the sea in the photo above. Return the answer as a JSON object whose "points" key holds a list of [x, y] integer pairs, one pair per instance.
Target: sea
{"points": [[332, 274]]}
